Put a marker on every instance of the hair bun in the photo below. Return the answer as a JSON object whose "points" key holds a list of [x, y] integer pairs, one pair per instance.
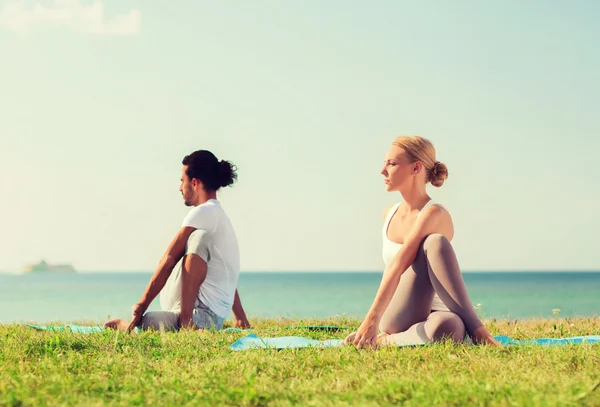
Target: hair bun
{"points": [[438, 174], [227, 173]]}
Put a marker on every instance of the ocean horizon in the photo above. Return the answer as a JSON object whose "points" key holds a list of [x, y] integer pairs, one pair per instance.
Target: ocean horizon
{"points": [[134, 271], [96, 296]]}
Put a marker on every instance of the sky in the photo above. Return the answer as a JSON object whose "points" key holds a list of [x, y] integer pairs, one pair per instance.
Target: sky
{"points": [[101, 100]]}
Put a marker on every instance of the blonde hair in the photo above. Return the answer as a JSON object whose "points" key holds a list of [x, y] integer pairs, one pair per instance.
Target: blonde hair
{"points": [[420, 149]]}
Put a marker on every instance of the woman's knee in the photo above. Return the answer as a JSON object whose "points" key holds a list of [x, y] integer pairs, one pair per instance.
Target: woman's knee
{"points": [[446, 325], [435, 242], [386, 326]]}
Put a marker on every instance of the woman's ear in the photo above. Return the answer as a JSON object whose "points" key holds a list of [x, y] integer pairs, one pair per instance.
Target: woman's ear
{"points": [[417, 167]]}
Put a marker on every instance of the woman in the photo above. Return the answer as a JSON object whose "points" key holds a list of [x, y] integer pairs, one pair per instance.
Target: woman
{"points": [[422, 297]]}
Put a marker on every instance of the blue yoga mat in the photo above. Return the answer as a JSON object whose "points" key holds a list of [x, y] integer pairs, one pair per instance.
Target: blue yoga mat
{"points": [[83, 329], [505, 340], [253, 341], [93, 329]]}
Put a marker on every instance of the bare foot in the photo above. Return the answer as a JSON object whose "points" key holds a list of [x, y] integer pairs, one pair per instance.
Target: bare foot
{"points": [[117, 324], [381, 339], [481, 336], [349, 339]]}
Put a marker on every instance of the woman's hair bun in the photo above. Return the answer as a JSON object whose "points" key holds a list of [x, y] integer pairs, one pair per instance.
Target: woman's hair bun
{"points": [[438, 174]]}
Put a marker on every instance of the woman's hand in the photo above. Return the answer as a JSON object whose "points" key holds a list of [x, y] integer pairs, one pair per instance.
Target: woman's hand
{"points": [[366, 336]]}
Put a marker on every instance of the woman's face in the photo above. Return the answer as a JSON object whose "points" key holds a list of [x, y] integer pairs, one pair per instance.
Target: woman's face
{"points": [[397, 169]]}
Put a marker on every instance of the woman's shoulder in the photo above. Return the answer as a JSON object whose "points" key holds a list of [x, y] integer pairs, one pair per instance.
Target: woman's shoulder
{"points": [[438, 217], [434, 206], [435, 210], [439, 206], [387, 210]]}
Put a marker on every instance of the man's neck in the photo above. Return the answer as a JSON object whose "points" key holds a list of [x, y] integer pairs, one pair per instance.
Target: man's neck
{"points": [[204, 197]]}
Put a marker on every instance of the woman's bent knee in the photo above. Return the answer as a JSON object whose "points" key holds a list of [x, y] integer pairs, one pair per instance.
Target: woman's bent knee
{"points": [[435, 241], [386, 327], [446, 325]]}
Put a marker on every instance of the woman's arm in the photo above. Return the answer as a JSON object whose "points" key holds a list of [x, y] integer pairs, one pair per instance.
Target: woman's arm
{"points": [[429, 222], [432, 220]]}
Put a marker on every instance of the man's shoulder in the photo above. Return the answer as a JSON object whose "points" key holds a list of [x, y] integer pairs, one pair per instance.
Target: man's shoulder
{"points": [[206, 207], [203, 214]]}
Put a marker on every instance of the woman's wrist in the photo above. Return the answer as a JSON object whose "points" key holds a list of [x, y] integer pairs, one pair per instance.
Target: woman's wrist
{"points": [[372, 318]]}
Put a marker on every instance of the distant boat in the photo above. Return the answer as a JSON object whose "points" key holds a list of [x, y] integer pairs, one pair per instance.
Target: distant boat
{"points": [[43, 267]]}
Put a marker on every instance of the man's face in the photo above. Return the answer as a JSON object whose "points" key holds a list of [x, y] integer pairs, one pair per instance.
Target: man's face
{"points": [[186, 188]]}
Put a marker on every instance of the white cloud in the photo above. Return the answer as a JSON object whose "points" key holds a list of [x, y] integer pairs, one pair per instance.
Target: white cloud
{"points": [[20, 16]]}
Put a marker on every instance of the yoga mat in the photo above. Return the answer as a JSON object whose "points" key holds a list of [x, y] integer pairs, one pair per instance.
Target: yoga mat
{"points": [[253, 341], [83, 329], [505, 340], [329, 328], [98, 328]]}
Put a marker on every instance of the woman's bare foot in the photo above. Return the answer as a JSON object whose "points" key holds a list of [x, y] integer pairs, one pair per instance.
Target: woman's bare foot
{"points": [[349, 339], [381, 339], [481, 336], [117, 324]]}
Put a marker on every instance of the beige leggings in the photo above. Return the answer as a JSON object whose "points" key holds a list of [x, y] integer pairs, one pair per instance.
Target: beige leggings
{"points": [[409, 319]]}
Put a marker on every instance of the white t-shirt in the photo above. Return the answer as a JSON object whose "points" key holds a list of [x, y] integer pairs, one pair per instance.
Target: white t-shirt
{"points": [[223, 265]]}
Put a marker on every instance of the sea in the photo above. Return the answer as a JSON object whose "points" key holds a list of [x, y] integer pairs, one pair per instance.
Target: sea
{"points": [[95, 297]]}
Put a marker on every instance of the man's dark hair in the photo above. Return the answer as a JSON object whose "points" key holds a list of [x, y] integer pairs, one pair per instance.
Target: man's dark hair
{"points": [[205, 167]]}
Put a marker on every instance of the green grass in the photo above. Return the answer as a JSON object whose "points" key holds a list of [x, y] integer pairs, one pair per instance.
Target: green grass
{"points": [[187, 368]]}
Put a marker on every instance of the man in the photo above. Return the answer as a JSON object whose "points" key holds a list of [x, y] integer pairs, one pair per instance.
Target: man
{"points": [[198, 274]]}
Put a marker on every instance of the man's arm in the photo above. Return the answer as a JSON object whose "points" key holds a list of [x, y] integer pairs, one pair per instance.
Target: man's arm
{"points": [[193, 274], [172, 255], [241, 321]]}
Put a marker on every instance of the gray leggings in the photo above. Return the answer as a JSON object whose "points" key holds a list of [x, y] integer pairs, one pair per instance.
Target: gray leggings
{"points": [[202, 317], [408, 318]]}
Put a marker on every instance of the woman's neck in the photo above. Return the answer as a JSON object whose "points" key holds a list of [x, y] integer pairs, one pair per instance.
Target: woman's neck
{"points": [[415, 199]]}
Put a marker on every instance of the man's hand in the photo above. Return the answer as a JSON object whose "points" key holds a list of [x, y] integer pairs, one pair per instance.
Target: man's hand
{"points": [[242, 323], [137, 312], [185, 321]]}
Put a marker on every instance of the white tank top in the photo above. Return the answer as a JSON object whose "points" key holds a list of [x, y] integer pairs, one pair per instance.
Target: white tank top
{"points": [[391, 248]]}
